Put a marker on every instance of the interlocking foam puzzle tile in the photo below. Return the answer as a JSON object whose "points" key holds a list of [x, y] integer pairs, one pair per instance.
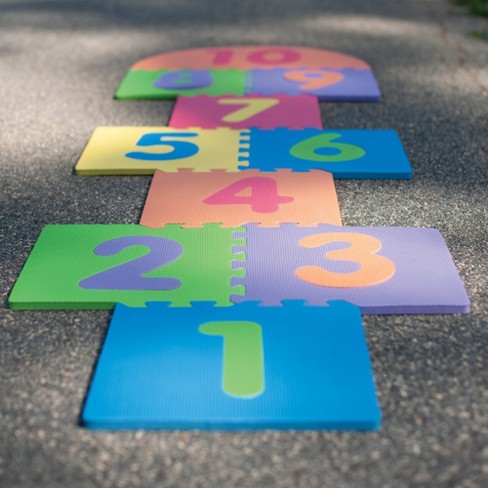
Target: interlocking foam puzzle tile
{"points": [[166, 84], [241, 367], [250, 57], [252, 70], [373, 154], [383, 270], [233, 199], [296, 112], [96, 266], [142, 150], [326, 84]]}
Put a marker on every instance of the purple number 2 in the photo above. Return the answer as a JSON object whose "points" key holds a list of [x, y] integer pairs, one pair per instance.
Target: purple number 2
{"points": [[129, 275]]}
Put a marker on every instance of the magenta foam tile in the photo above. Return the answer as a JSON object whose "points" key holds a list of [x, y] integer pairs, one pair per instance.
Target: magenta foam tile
{"points": [[383, 270], [240, 112]]}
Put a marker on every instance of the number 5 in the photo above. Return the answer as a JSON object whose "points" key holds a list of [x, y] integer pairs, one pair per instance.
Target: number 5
{"points": [[179, 149]]}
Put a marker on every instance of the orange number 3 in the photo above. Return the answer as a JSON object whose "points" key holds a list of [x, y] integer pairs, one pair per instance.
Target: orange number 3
{"points": [[373, 269]]}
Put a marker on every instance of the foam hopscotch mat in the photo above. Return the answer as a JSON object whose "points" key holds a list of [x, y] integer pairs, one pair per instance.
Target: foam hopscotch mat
{"points": [[240, 367], [373, 154], [232, 199], [294, 112], [246, 70], [238, 297], [96, 266]]}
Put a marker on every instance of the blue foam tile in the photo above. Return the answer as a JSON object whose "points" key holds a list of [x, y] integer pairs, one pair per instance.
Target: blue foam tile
{"points": [[347, 154], [239, 367]]}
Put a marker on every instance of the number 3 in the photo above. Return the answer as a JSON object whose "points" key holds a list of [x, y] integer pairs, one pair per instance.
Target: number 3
{"points": [[373, 269]]}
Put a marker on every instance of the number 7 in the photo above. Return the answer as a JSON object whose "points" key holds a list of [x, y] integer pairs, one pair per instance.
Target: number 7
{"points": [[252, 107]]}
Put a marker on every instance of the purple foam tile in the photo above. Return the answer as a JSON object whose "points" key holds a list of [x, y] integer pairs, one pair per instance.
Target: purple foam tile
{"points": [[419, 275], [326, 84]]}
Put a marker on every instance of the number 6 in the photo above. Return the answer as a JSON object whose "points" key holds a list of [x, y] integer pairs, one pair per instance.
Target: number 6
{"points": [[307, 149]]}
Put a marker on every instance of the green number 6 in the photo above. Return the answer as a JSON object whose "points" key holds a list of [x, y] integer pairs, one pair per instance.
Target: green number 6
{"points": [[307, 149]]}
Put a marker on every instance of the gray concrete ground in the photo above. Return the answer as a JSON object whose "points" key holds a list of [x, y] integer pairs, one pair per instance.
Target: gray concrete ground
{"points": [[60, 62]]}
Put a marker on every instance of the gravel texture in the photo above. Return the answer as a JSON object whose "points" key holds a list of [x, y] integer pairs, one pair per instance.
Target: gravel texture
{"points": [[60, 62]]}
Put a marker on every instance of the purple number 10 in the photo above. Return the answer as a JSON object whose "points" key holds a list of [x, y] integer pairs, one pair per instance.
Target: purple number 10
{"points": [[129, 275]]}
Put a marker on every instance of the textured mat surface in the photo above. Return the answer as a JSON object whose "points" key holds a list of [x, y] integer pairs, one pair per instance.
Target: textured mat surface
{"points": [[60, 62]]}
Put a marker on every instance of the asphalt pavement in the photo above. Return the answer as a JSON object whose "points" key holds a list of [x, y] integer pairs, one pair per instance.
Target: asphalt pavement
{"points": [[60, 63]]}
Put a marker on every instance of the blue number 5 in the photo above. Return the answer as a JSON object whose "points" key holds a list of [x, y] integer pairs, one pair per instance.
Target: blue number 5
{"points": [[180, 149]]}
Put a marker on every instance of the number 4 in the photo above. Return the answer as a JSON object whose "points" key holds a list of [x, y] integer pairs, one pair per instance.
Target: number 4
{"points": [[264, 196], [251, 107]]}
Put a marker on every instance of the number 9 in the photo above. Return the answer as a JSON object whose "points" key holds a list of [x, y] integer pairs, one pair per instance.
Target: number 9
{"points": [[314, 80]]}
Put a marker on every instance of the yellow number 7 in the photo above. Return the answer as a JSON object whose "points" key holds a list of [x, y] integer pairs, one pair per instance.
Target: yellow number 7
{"points": [[252, 107]]}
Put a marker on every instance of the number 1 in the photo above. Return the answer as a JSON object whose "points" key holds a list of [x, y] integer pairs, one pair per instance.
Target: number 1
{"points": [[243, 358]]}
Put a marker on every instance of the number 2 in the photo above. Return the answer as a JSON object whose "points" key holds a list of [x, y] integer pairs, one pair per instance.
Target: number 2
{"points": [[130, 275], [252, 107], [179, 149], [243, 358], [374, 269]]}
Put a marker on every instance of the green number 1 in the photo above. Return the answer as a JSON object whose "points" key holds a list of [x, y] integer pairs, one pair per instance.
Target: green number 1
{"points": [[243, 357]]}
